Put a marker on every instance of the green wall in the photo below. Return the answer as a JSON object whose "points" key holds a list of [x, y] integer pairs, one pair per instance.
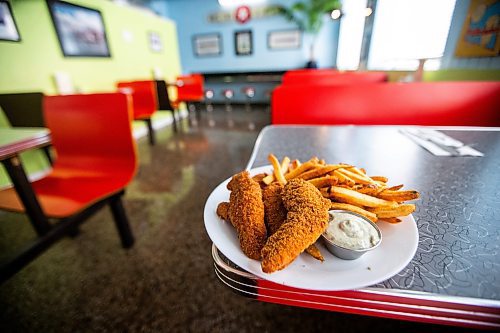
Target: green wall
{"points": [[30, 64]]}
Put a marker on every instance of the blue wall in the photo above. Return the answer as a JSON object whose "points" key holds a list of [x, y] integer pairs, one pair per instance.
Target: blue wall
{"points": [[191, 18], [449, 60]]}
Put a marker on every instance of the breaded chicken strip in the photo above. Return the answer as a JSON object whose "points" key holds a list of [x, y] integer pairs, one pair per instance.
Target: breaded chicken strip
{"points": [[275, 214], [246, 213], [307, 219]]}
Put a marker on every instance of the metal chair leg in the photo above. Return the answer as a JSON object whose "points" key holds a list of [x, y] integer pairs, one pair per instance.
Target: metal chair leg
{"points": [[46, 150], [174, 120], [121, 221], [151, 131]]}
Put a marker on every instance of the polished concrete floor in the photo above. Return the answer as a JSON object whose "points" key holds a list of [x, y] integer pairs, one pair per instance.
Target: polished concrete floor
{"points": [[166, 282]]}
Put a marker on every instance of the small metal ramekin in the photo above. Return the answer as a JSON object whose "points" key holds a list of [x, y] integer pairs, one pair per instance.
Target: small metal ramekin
{"points": [[345, 253]]}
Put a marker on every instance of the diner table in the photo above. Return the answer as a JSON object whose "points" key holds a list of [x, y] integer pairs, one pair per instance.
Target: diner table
{"points": [[14, 141], [453, 277]]}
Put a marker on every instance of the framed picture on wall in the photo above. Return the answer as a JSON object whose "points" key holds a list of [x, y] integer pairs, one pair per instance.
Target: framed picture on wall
{"points": [[479, 36], [243, 42], [155, 43], [205, 45], [284, 39], [8, 28], [80, 30]]}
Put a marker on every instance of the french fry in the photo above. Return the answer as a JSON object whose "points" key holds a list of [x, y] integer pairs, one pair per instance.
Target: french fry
{"points": [[358, 199], [343, 206], [268, 179], [380, 178], [392, 220], [369, 189], [284, 164], [355, 170], [324, 181], [344, 179], [398, 196], [398, 210], [395, 188], [293, 165], [314, 252], [277, 169], [319, 171], [357, 177], [302, 168]]}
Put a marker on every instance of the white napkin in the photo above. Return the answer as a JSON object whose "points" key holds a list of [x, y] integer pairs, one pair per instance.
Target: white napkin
{"points": [[439, 144]]}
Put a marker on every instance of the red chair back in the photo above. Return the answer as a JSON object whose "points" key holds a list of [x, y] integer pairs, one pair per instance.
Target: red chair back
{"points": [[436, 103], [190, 88], [92, 132], [329, 76], [144, 97]]}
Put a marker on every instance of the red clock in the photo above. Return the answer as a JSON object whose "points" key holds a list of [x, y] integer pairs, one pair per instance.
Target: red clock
{"points": [[243, 14]]}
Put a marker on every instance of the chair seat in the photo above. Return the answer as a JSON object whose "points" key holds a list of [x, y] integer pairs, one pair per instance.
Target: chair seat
{"points": [[63, 193]]}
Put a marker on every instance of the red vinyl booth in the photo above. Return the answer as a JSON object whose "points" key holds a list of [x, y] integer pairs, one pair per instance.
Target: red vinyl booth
{"points": [[145, 104], [436, 103], [330, 76]]}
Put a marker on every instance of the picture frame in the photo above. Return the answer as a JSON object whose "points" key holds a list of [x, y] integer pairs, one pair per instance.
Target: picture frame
{"points": [[284, 39], [477, 38], [8, 27], [207, 45], [80, 30], [243, 43], [155, 43]]}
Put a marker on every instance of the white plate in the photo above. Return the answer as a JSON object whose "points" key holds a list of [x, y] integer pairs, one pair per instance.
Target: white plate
{"points": [[399, 244]]}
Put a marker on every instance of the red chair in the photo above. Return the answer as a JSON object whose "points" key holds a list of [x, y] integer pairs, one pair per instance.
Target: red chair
{"points": [[190, 89], [331, 77], [96, 160], [145, 104], [432, 104]]}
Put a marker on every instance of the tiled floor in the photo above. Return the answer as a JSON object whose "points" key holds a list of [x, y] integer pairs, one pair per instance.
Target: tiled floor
{"points": [[165, 283]]}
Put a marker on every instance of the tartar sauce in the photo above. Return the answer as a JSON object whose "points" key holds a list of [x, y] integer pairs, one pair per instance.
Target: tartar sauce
{"points": [[351, 231]]}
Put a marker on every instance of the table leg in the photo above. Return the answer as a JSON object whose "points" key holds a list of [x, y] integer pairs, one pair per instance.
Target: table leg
{"points": [[26, 194]]}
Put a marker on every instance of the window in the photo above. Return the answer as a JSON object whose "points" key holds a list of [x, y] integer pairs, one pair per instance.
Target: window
{"points": [[407, 30], [351, 34]]}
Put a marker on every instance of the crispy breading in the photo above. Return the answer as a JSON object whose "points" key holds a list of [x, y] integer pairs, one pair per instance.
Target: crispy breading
{"points": [[275, 214], [246, 213], [223, 210], [307, 219]]}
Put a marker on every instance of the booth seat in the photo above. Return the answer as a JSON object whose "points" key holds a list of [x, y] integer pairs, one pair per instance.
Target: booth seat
{"points": [[432, 103], [330, 76]]}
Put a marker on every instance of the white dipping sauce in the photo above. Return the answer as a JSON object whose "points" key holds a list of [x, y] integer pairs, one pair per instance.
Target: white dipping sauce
{"points": [[351, 231]]}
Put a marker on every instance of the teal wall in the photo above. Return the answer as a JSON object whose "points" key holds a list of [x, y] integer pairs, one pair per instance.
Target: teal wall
{"points": [[191, 18]]}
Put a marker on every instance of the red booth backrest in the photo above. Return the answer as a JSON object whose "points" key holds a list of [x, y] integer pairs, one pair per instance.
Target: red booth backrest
{"points": [[437, 103], [329, 76]]}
